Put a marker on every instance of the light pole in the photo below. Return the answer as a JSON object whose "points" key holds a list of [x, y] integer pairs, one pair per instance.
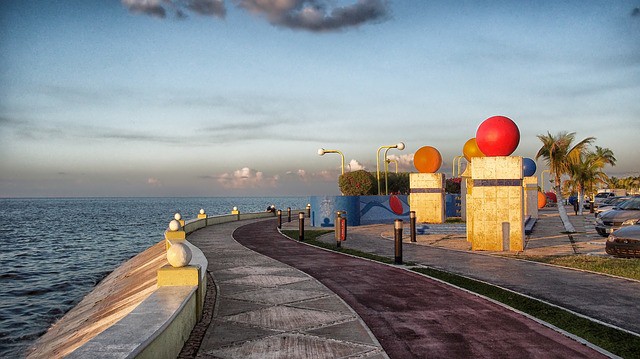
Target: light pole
{"points": [[322, 151], [542, 178], [399, 146], [453, 163], [389, 160]]}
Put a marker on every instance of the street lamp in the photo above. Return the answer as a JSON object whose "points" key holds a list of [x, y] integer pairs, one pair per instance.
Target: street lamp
{"points": [[542, 178], [322, 151], [389, 160], [399, 146]]}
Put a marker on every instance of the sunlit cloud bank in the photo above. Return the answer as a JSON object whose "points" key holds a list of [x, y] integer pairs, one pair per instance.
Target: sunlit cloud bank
{"points": [[310, 15], [247, 178], [405, 162]]}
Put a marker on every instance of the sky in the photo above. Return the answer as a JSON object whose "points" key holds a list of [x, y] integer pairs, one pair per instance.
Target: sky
{"points": [[235, 97]]}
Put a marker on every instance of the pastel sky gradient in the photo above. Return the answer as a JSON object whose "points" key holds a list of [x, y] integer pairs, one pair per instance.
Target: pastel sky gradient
{"points": [[233, 98]]}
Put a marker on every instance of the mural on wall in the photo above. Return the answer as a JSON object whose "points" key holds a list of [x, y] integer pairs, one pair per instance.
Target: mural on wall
{"points": [[360, 209]]}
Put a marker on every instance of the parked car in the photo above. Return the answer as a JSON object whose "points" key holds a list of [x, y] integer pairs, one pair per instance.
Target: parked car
{"points": [[626, 213], [625, 242], [610, 203]]}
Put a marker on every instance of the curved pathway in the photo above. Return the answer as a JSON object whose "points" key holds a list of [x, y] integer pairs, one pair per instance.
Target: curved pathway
{"points": [[411, 315]]}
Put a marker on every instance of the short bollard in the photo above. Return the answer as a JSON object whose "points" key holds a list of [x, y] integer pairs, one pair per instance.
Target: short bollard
{"points": [[301, 226], [412, 225], [308, 210], [279, 219], [337, 222], [398, 241], [288, 214]]}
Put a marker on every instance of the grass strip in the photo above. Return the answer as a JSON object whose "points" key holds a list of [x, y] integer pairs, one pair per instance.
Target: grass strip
{"points": [[621, 267], [310, 237], [613, 340]]}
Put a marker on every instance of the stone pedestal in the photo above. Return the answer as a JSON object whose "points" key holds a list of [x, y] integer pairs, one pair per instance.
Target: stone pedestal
{"points": [[427, 197], [495, 204], [530, 185]]}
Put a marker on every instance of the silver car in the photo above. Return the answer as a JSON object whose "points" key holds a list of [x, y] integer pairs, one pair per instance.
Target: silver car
{"points": [[610, 203], [626, 213]]}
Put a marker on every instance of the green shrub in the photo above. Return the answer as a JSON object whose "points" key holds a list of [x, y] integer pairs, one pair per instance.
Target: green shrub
{"points": [[398, 182], [357, 183]]}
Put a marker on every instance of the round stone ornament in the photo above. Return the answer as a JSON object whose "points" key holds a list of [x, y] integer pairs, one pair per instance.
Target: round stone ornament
{"points": [[178, 255], [174, 225], [177, 216], [201, 210]]}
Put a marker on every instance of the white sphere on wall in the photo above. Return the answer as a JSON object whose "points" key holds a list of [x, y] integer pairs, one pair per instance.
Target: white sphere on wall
{"points": [[178, 216], [174, 225], [201, 210], [179, 255]]}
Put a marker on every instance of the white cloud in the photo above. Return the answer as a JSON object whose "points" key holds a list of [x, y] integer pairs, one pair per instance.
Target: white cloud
{"points": [[247, 178], [405, 162], [354, 165], [154, 182]]}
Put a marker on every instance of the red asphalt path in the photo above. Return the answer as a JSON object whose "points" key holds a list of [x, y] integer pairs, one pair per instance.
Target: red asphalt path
{"points": [[414, 316]]}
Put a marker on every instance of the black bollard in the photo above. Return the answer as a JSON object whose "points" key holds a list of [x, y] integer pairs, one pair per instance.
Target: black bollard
{"points": [[343, 226], [301, 226], [337, 223], [412, 224], [308, 210], [288, 214], [279, 219], [398, 241]]}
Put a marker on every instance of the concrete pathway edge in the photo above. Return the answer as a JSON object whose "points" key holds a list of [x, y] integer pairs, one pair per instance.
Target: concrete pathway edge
{"points": [[549, 325]]}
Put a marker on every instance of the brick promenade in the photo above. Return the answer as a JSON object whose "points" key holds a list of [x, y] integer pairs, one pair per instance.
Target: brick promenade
{"points": [[409, 315]]}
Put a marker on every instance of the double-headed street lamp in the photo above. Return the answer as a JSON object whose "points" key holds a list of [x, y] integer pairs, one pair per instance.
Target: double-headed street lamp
{"points": [[399, 146], [322, 151]]}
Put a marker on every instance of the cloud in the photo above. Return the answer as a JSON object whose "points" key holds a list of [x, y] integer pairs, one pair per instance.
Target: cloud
{"points": [[246, 178], [405, 162], [310, 15], [159, 8], [154, 182], [314, 15], [355, 166]]}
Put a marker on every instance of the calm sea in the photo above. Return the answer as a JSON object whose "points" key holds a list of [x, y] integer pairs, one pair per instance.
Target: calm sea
{"points": [[54, 251]]}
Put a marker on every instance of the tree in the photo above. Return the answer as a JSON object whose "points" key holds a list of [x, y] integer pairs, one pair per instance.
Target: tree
{"points": [[586, 171], [557, 152], [357, 183]]}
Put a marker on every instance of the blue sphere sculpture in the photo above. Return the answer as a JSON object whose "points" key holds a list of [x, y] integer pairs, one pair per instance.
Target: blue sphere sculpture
{"points": [[528, 167]]}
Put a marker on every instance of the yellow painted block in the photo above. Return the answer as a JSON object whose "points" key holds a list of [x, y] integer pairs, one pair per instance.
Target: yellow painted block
{"points": [[170, 236], [235, 212], [202, 215], [183, 276], [496, 204], [427, 197]]}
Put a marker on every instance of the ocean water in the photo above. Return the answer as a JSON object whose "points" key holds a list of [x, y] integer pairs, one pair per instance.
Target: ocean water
{"points": [[54, 251]]}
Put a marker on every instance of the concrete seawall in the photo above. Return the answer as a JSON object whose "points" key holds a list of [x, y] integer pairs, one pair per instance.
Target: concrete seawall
{"points": [[128, 315]]}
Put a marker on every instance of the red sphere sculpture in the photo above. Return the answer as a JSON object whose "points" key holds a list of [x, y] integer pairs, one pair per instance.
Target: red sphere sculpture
{"points": [[498, 136], [427, 160]]}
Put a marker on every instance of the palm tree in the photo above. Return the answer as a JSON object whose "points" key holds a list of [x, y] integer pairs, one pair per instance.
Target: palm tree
{"points": [[586, 172], [557, 152]]}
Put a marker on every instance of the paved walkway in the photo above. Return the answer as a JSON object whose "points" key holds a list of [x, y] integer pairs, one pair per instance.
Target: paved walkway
{"points": [[271, 309], [267, 309], [612, 300]]}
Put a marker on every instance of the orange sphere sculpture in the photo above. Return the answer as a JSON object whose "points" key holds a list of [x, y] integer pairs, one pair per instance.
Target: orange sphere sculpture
{"points": [[542, 200], [471, 149], [427, 160]]}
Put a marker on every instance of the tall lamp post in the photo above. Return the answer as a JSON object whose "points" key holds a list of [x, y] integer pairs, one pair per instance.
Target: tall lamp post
{"points": [[389, 160], [322, 151], [399, 146], [542, 178]]}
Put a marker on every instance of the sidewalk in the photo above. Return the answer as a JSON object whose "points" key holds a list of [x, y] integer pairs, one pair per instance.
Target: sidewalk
{"points": [[270, 309], [611, 300], [267, 309]]}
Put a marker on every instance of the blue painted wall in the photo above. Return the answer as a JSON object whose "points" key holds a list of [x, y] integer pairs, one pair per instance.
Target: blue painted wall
{"points": [[360, 209]]}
